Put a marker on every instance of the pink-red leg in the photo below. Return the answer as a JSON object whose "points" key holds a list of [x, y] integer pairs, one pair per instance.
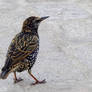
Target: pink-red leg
{"points": [[37, 81], [15, 78]]}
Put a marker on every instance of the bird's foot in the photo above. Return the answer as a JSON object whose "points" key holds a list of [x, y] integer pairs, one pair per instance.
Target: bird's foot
{"points": [[39, 82], [17, 80]]}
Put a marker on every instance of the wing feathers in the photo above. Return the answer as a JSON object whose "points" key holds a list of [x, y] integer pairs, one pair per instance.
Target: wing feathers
{"points": [[20, 48]]}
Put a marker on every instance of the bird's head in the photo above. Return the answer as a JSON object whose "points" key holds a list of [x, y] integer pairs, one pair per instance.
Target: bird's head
{"points": [[32, 23]]}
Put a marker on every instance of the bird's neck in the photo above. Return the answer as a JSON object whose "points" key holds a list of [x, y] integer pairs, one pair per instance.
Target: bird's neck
{"points": [[33, 31]]}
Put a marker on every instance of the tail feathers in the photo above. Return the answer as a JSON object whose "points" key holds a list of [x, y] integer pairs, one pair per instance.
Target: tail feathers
{"points": [[4, 74], [7, 64], [5, 69]]}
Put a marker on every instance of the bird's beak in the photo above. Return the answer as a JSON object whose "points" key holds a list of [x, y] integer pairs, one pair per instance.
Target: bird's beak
{"points": [[43, 18]]}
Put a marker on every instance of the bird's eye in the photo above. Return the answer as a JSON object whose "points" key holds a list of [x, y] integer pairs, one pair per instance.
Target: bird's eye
{"points": [[37, 21]]}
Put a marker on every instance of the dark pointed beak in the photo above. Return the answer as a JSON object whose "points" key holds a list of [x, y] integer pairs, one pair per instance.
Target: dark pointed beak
{"points": [[43, 18]]}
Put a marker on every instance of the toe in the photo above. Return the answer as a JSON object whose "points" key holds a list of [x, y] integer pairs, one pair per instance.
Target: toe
{"points": [[39, 82], [18, 80]]}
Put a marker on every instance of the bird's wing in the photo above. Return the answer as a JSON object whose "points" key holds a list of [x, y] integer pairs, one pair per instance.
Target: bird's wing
{"points": [[21, 47]]}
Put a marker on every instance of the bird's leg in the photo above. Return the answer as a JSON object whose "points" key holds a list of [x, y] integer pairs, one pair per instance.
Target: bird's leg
{"points": [[37, 81], [15, 78]]}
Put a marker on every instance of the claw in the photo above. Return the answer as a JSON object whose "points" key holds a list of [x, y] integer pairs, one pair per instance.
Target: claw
{"points": [[18, 80], [39, 82]]}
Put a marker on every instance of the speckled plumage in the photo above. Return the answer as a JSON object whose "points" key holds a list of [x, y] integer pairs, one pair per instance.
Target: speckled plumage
{"points": [[23, 50], [23, 46]]}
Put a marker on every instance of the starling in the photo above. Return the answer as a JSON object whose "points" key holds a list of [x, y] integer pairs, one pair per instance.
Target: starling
{"points": [[23, 50]]}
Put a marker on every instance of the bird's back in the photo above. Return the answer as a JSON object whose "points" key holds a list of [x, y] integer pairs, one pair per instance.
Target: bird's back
{"points": [[22, 52]]}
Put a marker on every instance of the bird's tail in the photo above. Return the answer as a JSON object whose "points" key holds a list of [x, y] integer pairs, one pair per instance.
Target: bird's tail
{"points": [[5, 70], [4, 74]]}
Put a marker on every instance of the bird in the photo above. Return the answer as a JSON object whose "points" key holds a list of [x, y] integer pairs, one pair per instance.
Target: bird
{"points": [[23, 50]]}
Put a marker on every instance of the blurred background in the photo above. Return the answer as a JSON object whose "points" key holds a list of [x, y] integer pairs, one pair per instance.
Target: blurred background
{"points": [[65, 57]]}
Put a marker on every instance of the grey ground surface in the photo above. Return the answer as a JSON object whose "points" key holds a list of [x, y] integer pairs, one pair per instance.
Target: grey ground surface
{"points": [[65, 57]]}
